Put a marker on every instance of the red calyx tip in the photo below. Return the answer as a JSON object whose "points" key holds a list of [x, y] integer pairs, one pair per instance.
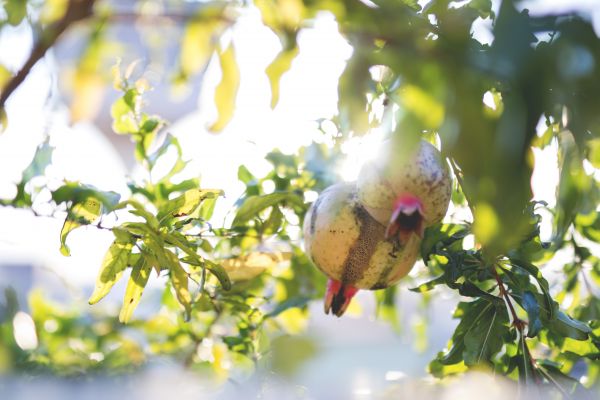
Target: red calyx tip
{"points": [[338, 297], [407, 218]]}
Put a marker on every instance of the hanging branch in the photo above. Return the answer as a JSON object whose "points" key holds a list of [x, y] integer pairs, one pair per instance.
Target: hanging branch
{"points": [[77, 10]]}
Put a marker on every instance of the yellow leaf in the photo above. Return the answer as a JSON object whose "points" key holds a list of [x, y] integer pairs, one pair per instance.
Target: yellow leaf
{"points": [[293, 320], [113, 265], [251, 265], [87, 96], [280, 65], [423, 105], [135, 287], [179, 279], [80, 214], [5, 75], [486, 224], [198, 43], [188, 202], [226, 91]]}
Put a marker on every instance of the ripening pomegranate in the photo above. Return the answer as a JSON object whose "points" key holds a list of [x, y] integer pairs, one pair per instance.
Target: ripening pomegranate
{"points": [[405, 191], [349, 246]]}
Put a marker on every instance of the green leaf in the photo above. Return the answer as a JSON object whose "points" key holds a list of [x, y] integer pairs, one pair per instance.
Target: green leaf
{"points": [[569, 327], [79, 214], [543, 283], [429, 285], [124, 118], [135, 287], [179, 279], [530, 304], [140, 211], [573, 185], [216, 269], [187, 203], [199, 38], [279, 66], [594, 152], [295, 302], [41, 159], [111, 270], [226, 91], [564, 383], [16, 11], [484, 338], [253, 205], [273, 223], [78, 193], [244, 175], [441, 235], [469, 314]]}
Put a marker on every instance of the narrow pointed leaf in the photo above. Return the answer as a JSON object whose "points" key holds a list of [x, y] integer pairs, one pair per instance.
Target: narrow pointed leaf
{"points": [[113, 265], [280, 65], [135, 287], [187, 203], [226, 91], [255, 204], [179, 279], [80, 214]]}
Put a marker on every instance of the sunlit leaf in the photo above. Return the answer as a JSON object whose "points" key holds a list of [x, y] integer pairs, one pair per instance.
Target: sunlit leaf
{"points": [[226, 91], [135, 287], [574, 183], [79, 214], [255, 204], [187, 203], [423, 105], [111, 270], [199, 39], [179, 279], [250, 265], [15, 10], [279, 66]]}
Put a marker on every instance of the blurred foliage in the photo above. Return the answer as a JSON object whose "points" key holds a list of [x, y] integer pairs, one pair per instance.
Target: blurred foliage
{"points": [[421, 64]]}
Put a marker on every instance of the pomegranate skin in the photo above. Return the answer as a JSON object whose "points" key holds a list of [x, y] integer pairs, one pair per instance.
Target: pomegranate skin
{"points": [[348, 245], [422, 174]]}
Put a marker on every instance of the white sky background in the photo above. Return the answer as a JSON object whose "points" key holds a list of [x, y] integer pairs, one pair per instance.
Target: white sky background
{"points": [[308, 92]]}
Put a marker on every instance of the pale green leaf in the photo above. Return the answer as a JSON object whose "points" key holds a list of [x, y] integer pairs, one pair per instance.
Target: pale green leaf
{"points": [[187, 203], [41, 159], [179, 279], [255, 204], [113, 265], [79, 214], [135, 287], [226, 91], [280, 65]]}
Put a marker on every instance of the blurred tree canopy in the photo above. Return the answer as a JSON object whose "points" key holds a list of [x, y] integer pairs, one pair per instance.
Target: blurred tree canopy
{"points": [[487, 106]]}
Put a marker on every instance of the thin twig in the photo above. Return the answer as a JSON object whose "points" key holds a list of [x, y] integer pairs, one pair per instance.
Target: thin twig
{"points": [[77, 10]]}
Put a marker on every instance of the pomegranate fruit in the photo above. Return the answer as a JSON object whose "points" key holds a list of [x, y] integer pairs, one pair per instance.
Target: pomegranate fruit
{"points": [[349, 246], [405, 190]]}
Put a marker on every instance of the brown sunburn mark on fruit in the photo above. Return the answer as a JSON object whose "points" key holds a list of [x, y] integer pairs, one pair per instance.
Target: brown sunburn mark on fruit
{"points": [[370, 234]]}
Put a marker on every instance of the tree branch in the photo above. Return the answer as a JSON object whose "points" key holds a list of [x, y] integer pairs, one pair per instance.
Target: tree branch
{"points": [[77, 10]]}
